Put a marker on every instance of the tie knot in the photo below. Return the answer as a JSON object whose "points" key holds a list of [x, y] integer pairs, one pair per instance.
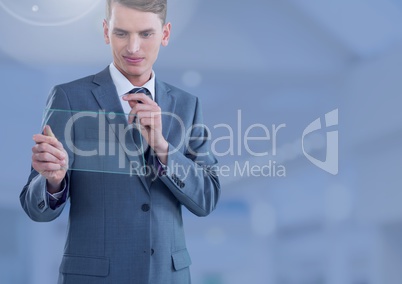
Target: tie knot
{"points": [[140, 90]]}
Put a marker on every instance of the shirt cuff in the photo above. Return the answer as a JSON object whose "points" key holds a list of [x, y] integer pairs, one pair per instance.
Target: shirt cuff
{"points": [[58, 198], [57, 195], [161, 167], [160, 163]]}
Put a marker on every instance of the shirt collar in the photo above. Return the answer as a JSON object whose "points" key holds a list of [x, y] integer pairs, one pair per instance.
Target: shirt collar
{"points": [[123, 85]]}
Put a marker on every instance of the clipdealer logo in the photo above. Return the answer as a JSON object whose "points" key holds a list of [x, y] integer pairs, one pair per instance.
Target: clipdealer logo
{"points": [[331, 162], [261, 160]]}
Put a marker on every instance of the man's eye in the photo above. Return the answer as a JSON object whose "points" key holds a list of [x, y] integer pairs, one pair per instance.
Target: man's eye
{"points": [[120, 34], [146, 34]]}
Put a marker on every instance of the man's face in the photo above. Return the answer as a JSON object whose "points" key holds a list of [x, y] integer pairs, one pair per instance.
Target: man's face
{"points": [[135, 38]]}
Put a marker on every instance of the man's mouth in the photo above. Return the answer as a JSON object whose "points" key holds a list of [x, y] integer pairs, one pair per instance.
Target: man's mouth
{"points": [[133, 60]]}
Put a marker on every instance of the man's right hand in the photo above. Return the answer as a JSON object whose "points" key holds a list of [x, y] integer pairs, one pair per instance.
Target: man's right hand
{"points": [[50, 159]]}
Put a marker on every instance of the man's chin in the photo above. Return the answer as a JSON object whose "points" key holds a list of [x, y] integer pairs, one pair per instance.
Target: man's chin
{"points": [[133, 72]]}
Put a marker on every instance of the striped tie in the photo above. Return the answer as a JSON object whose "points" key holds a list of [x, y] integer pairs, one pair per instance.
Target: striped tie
{"points": [[138, 139]]}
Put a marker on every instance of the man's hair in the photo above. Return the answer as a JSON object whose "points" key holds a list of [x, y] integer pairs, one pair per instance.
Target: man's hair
{"points": [[158, 7]]}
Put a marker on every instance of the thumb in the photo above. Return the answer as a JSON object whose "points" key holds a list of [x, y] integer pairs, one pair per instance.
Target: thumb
{"points": [[48, 131]]}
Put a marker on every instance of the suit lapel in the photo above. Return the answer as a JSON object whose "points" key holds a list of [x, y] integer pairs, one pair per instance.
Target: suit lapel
{"points": [[167, 103], [107, 98], [106, 95]]}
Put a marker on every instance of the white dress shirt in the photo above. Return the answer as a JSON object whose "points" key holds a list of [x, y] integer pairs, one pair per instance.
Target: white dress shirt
{"points": [[123, 86]]}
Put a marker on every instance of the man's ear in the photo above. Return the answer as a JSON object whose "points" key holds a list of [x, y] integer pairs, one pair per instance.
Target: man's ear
{"points": [[166, 34], [106, 32]]}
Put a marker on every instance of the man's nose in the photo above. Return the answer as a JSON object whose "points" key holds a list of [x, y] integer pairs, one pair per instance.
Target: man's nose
{"points": [[133, 45]]}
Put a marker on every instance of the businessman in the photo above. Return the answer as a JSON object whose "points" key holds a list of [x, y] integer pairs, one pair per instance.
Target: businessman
{"points": [[125, 224]]}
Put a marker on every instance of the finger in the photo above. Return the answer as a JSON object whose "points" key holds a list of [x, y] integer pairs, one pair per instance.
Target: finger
{"points": [[45, 147], [42, 167], [132, 103], [147, 122], [145, 115], [140, 112], [131, 116], [48, 131], [41, 159], [46, 158], [139, 97], [156, 115], [150, 122], [48, 148], [40, 138], [146, 107], [135, 108]]}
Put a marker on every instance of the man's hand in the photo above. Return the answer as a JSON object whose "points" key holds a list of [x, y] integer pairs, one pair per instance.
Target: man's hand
{"points": [[50, 159], [149, 117]]}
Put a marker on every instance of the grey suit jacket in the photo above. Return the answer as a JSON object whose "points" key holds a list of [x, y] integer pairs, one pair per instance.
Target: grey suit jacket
{"points": [[125, 227]]}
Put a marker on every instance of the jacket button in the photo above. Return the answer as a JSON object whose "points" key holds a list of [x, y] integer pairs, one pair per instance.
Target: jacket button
{"points": [[152, 251], [41, 205], [145, 207]]}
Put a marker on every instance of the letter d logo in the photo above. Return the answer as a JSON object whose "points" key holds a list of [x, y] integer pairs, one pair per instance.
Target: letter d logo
{"points": [[330, 164]]}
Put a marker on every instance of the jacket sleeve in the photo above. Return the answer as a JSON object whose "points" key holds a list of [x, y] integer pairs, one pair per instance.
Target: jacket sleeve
{"points": [[192, 176], [34, 199]]}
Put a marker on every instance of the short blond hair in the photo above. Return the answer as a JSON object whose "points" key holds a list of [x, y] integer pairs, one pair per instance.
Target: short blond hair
{"points": [[158, 7]]}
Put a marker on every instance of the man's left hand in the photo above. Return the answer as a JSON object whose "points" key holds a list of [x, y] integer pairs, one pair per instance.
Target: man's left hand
{"points": [[149, 116]]}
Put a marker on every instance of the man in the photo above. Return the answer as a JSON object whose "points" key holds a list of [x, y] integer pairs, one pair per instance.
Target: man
{"points": [[123, 228]]}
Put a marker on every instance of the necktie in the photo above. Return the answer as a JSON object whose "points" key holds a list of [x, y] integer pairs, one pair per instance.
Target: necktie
{"points": [[138, 139]]}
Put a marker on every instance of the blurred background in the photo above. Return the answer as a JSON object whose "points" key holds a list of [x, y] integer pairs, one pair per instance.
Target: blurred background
{"points": [[256, 65]]}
